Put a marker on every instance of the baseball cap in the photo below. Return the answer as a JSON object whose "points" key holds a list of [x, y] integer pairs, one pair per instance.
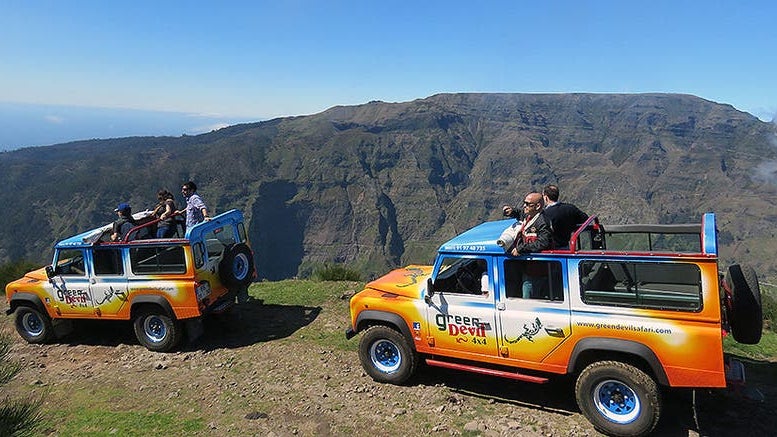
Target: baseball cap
{"points": [[122, 207]]}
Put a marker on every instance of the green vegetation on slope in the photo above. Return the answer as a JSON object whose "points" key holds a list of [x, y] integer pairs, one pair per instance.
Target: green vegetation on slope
{"points": [[382, 185]]}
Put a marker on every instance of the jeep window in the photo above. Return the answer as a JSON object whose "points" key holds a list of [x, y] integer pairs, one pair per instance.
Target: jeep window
{"points": [[671, 286], [152, 260], [108, 262], [533, 279], [218, 239], [241, 232], [461, 275], [70, 262], [199, 255]]}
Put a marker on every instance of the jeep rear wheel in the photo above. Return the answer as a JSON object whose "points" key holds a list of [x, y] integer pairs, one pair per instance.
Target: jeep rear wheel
{"points": [[156, 330], [746, 315], [618, 398], [236, 269], [32, 325], [386, 355]]}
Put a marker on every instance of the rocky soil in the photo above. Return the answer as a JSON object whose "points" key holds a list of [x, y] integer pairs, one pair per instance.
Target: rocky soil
{"points": [[277, 370]]}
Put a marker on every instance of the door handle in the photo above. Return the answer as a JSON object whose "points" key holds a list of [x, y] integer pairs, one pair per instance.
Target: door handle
{"points": [[555, 332]]}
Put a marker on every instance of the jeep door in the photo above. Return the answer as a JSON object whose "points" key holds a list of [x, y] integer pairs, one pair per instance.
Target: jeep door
{"points": [[108, 280], [533, 308], [69, 286], [461, 312]]}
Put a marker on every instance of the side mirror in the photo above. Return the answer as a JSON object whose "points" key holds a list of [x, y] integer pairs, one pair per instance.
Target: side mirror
{"points": [[429, 290], [50, 272]]}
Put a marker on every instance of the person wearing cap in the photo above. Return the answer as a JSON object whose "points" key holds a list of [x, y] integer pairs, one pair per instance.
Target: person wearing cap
{"points": [[124, 223]]}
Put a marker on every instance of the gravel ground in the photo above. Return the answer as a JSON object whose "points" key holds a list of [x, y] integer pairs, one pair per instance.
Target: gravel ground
{"points": [[278, 370]]}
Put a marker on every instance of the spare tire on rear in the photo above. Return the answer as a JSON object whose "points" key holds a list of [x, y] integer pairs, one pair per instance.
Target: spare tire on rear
{"points": [[236, 268], [746, 315]]}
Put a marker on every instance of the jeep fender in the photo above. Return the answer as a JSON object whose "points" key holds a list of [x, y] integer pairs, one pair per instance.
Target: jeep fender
{"points": [[153, 300], [369, 317], [25, 298], [628, 347]]}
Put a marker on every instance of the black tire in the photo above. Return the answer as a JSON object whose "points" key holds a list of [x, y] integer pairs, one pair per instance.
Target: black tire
{"points": [[32, 325], [156, 330], [236, 268], [746, 318], [386, 355], [618, 398]]}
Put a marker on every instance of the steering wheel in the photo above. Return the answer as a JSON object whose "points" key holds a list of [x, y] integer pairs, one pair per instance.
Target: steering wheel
{"points": [[465, 279]]}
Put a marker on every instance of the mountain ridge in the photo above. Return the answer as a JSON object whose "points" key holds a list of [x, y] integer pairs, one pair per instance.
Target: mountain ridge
{"points": [[382, 184]]}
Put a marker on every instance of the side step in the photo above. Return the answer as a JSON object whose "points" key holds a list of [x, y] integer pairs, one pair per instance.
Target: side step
{"points": [[486, 371]]}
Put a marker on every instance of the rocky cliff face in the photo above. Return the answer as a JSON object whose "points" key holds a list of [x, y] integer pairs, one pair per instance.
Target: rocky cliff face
{"points": [[384, 184]]}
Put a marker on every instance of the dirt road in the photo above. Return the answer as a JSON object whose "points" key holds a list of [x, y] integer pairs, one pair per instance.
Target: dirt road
{"points": [[287, 370]]}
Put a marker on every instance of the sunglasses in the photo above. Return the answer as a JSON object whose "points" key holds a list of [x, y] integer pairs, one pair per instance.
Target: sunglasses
{"points": [[525, 203]]}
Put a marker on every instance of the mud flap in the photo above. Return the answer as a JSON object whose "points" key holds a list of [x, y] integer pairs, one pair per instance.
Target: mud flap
{"points": [[736, 383]]}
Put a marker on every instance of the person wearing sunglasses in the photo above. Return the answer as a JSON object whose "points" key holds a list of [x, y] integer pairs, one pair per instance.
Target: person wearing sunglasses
{"points": [[196, 211], [534, 234]]}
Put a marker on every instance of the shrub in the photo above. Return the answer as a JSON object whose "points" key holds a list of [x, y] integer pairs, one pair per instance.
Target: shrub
{"points": [[17, 417], [336, 272]]}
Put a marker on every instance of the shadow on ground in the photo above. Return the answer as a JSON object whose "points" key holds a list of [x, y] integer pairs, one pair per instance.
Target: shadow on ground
{"points": [[254, 322], [556, 396], [244, 325], [704, 412]]}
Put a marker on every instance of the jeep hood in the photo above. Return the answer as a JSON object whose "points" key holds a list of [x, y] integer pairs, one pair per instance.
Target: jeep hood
{"points": [[39, 274], [408, 281]]}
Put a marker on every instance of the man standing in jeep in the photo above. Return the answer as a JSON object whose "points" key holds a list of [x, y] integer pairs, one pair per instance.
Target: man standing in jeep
{"points": [[124, 223], [563, 218], [534, 234], [196, 211]]}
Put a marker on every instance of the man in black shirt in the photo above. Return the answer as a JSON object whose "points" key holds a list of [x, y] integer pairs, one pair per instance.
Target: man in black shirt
{"points": [[563, 218]]}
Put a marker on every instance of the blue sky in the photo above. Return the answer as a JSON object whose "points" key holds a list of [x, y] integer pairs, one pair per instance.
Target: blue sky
{"points": [[258, 59]]}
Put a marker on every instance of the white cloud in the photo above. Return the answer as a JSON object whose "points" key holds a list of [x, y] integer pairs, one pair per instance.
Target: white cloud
{"points": [[208, 128], [54, 119], [767, 170]]}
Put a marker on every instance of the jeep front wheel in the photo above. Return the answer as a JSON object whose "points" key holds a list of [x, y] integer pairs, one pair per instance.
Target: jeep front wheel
{"points": [[32, 325], [618, 399], [386, 355], [157, 331]]}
